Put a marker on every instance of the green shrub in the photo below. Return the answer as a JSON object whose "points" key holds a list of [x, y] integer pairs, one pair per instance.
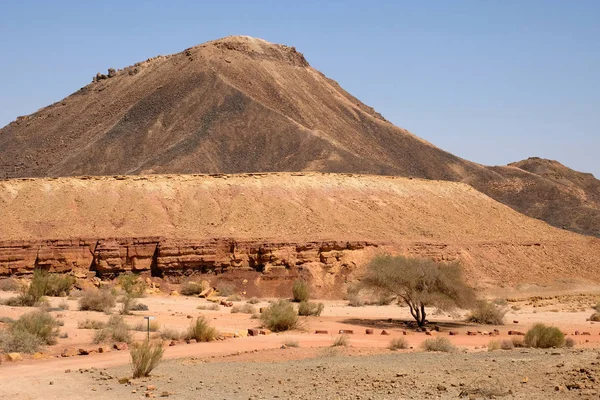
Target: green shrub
{"points": [[280, 316], [253, 300], [42, 284], [225, 288], [90, 324], [307, 308], [132, 284], [116, 330], [542, 336], [97, 300], [191, 288], [170, 334], [38, 323], [341, 340], [438, 344], [398, 344], [300, 291], [487, 313], [243, 309], [201, 331], [145, 357], [209, 307]]}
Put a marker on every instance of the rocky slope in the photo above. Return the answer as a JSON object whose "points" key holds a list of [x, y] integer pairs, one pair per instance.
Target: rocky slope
{"points": [[241, 104], [324, 226]]}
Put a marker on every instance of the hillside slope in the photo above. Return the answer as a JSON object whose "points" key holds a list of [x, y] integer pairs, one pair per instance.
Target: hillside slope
{"points": [[241, 104]]}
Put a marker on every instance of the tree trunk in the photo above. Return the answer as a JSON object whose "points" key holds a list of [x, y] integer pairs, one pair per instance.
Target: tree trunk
{"points": [[423, 315]]}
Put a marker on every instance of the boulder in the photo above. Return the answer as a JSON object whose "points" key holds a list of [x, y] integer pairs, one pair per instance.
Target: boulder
{"points": [[14, 357], [253, 332], [369, 331], [69, 352], [121, 346]]}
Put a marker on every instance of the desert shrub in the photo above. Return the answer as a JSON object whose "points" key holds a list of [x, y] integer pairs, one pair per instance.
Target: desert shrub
{"points": [[291, 343], [170, 334], [97, 300], [116, 330], [517, 342], [139, 307], [132, 285], [127, 302], [143, 326], [191, 288], [7, 320], [384, 300], [234, 297], [494, 345], [201, 331], [209, 307], [542, 336], [9, 285], [507, 345], [145, 357], [438, 344], [341, 340], [500, 302], [595, 317], [398, 344], [280, 316], [569, 342], [38, 323], [63, 305], [419, 283], [355, 301], [253, 300], [225, 288], [90, 324], [42, 284], [487, 313], [307, 308], [19, 342], [63, 335], [243, 309], [300, 291]]}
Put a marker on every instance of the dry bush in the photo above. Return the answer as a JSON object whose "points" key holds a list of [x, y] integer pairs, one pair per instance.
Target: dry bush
{"points": [[7, 320], [191, 288], [544, 337], [234, 297], [569, 342], [494, 345], [90, 324], [225, 288], [40, 324], [507, 345], [209, 307], [10, 285], [280, 316], [42, 284], [487, 313], [517, 342], [398, 344], [132, 285], [253, 300], [19, 342], [340, 341], [595, 317], [243, 309], [355, 301], [308, 308], [63, 305], [143, 326], [145, 357], [97, 300], [201, 331], [438, 344], [291, 343], [139, 307], [116, 330], [170, 334], [300, 291]]}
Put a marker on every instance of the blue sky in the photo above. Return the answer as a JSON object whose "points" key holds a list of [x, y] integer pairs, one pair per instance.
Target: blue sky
{"points": [[490, 81]]}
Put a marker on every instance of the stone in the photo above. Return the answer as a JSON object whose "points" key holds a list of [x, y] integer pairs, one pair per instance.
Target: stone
{"points": [[385, 333], [321, 332], [253, 332], [346, 332], [121, 346], [174, 293], [103, 349], [38, 356], [165, 394], [124, 380], [69, 352], [515, 333], [150, 387], [453, 333], [369, 331], [265, 332], [14, 357], [515, 322]]}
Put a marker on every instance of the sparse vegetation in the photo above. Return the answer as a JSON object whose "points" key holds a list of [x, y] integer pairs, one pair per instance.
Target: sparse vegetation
{"points": [[234, 297], [487, 313], [280, 316], [307, 308], [595, 317], [398, 344], [439, 344], [243, 309], [291, 343], [143, 326], [544, 337], [90, 324], [225, 288], [507, 345], [201, 331], [253, 300], [192, 288], [116, 330], [10, 285], [63, 305], [355, 301], [300, 291], [132, 285], [569, 342], [145, 357], [97, 300], [209, 307], [139, 307], [494, 345], [42, 284], [170, 334], [19, 342], [419, 283], [29, 332], [341, 340]]}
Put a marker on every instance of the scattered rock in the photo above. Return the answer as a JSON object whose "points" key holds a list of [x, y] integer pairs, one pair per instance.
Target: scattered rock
{"points": [[253, 332], [369, 331], [69, 352], [14, 357], [321, 332], [346, 332], [385, 333]]}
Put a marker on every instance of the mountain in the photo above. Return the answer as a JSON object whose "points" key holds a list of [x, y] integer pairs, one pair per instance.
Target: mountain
{"points": [[241, 104]]}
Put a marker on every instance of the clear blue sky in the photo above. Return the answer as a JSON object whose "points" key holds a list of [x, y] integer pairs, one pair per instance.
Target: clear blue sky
{"points": [[490, 81]]}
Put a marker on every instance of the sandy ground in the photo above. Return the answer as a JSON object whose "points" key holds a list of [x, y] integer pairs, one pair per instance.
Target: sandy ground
{"points": [[235, 360]]}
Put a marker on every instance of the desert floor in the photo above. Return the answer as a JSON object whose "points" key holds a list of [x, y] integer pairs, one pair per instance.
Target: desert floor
{"points": [[259, 368]]}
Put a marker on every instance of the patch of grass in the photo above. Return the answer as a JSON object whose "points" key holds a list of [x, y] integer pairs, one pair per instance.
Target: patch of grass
{"points": [[243, 309], [116, 330], [291, 343], [209, 307], [300, 291], [143, 326], [517, 342], [487, 313], [494, 345], [398, 344], [280, 316], [90, 324], [341, 340], [97, 300], [225, 288], [145, 357], [544, 337], [438, 344], [307, 308], [192, 288], [201, 331], [253, 300], [170, 334]]}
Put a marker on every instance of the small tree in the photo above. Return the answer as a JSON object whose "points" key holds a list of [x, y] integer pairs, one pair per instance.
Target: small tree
{"points": [[419, 283]]}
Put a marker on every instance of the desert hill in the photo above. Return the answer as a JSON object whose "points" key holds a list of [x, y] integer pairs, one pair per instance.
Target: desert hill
{"points": [[241, 104], [327, 224]]}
